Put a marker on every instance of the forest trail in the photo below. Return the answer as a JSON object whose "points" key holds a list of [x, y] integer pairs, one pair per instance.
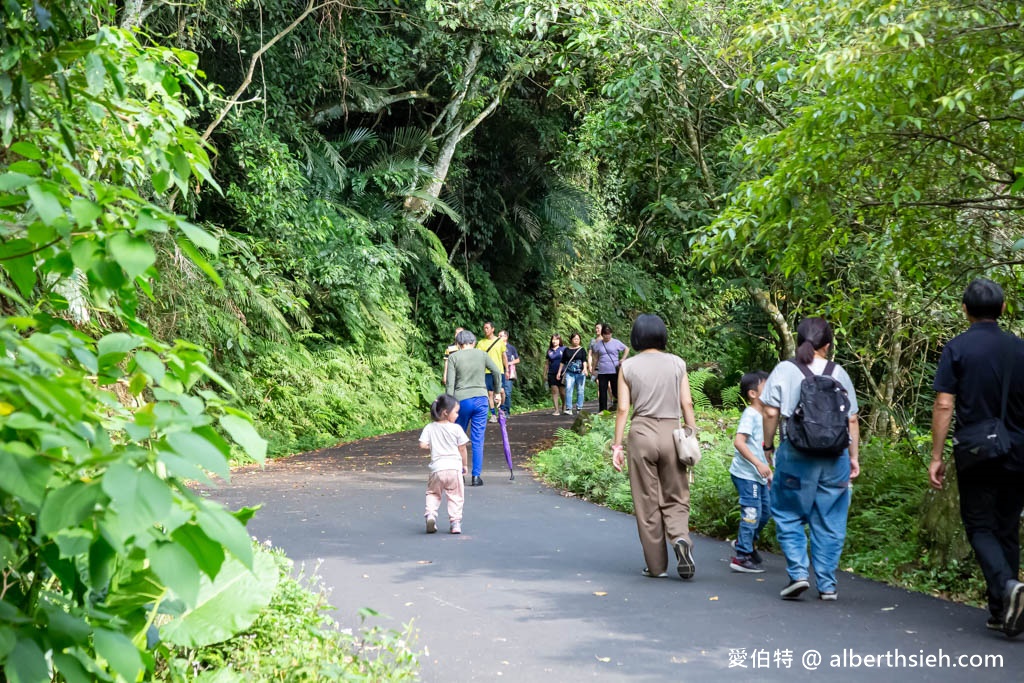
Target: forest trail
{"points": [[543, 587]]}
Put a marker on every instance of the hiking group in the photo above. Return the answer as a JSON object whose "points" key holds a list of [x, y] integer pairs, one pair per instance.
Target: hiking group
{"points": [[568, 368], [809, 401]]}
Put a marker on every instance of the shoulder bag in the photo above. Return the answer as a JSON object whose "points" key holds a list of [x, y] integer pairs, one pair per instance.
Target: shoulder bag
{"points": [[686, 443], [989, 439]]}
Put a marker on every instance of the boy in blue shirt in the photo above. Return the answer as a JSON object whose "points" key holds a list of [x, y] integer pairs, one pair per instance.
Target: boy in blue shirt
{"points": [[751, 474]]}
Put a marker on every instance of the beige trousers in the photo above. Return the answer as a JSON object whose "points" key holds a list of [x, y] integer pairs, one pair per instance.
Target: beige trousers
{"points": [[450, 483], [660, 487]]}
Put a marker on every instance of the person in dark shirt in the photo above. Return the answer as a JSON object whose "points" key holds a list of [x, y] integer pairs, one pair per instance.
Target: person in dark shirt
{"points": [[980, 380]]}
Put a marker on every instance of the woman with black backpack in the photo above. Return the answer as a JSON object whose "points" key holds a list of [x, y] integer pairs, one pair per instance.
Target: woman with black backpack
{"points": [[814, 400]]}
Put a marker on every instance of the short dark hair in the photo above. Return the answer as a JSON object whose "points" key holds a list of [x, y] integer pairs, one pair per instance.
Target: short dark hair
{"points": [[984, 299], [441, 406], [649, 332], [811, 335], [606, 328], [750, 381], [575, 334]]}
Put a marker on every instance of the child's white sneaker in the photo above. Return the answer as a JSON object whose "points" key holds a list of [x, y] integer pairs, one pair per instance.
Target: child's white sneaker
{"points": [[456, 527], [431, 525]]}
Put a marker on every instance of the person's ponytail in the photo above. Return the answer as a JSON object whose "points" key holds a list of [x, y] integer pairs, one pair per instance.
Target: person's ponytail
{"points": [[442, 406], [805, 353], [811, 334]]}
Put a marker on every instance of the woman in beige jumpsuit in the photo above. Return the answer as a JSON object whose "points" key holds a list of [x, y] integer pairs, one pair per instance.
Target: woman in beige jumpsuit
{"points": [[656, 385]]}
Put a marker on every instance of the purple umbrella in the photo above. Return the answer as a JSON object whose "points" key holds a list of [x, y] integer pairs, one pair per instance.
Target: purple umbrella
{"points": [[504, 442]]}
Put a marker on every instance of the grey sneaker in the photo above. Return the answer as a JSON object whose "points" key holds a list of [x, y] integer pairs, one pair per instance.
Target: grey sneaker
{"points": [[755, 556], [1013, 603], [828, 596], [648, 574], [745, 564], [431, 525], [794, 589], [684, 556]]}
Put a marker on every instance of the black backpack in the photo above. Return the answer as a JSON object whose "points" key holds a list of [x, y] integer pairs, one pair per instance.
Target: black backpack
{"points": [[820, 425]]}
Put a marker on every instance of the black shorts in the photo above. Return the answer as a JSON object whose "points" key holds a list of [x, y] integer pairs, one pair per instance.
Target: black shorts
{"points": [[553, 381]]}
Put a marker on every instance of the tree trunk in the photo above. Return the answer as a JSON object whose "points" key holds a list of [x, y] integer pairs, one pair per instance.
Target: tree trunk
{"points": [[132, 17], [786, 338], [444, 161]]}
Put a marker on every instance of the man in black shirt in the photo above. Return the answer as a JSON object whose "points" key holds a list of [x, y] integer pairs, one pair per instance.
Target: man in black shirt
{"points": [[973, 372]]}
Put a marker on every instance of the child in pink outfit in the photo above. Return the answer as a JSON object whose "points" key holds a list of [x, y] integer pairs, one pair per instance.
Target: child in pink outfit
{"points": [[446, 442]]}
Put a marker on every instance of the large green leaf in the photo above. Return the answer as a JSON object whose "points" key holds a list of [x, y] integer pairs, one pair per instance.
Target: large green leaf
{"points": [[26, 663], [226, 606], [23, 476], [208, 553], [196, 449], [222, 527], [131, 253], [246, 436], [121, 655], [68, 506], [140, 497], [179, 571]]}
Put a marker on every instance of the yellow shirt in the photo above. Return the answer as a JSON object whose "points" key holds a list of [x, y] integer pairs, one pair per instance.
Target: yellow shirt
{"points": [[495, 348]]}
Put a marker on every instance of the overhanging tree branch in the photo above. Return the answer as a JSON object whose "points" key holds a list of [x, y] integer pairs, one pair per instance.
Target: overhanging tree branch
{"points": [[365, 105], [311, 7]]}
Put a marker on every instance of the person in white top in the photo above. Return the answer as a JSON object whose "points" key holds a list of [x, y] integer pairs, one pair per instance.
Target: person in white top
{"points": [[446, 442]]}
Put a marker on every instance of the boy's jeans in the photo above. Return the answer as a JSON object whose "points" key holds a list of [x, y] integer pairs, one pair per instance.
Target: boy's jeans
{"points": [[577, 381], [755, 511], [473, 419], [815, 492]]}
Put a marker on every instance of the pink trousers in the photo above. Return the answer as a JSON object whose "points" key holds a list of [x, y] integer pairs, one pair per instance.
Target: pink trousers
{"points": [[448, 482]]}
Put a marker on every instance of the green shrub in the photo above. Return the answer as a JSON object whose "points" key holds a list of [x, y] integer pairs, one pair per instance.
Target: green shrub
{"points": [[884, 539], [304, 399], [293, 639]]}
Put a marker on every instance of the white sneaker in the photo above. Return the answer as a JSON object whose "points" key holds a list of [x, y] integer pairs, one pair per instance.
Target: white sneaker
{"points": [[431, 525], [493, 418]]}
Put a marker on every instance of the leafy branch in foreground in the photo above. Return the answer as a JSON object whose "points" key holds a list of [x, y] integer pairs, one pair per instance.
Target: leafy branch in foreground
{"points": [[100, 431]]}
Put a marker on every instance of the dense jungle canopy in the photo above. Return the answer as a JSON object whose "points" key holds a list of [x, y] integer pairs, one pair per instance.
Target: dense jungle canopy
{"points": [[224, 217]]}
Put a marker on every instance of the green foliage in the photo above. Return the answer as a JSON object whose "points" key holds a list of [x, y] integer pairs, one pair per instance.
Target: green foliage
{"points": [[101, 428], [889, 499], [294, 639], [306, 399]]}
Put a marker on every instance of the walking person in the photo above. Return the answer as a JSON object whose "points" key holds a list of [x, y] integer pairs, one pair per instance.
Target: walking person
{"points": [[554, 353], [811, 487], [510, 373], [446, 441], [656, 385], [751, 475], [607, 353], [980, 379], [467, 368], [573, 369], [449, 350], [495, 348]]}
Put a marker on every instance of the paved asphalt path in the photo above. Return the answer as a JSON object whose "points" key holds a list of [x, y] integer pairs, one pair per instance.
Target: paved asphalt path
{"points": [[543, 587]]}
